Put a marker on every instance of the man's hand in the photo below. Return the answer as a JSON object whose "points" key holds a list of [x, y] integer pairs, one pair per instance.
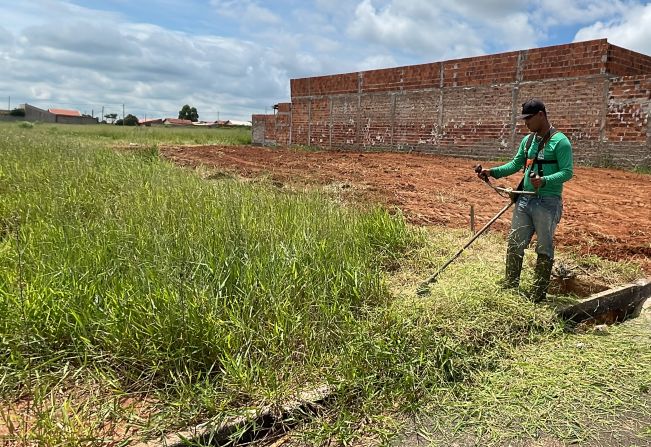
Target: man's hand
{"points": [[537, 182], [483, 174]]}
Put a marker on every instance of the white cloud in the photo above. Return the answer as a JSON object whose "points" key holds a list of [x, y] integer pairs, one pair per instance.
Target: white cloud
{"points": [[245, 11], [21, 15], [314, 20], [484, 9], [450, 28], [6, 43], [631, 31], [377, 61], [415, 28], [551, 13], [335, 6]]}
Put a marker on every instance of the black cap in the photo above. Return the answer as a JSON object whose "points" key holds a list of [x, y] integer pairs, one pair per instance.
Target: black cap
{"points": [[531, 107]]}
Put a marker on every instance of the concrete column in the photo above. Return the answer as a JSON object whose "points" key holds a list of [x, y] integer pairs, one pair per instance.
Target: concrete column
{"points": [[393, 117], [358, 136], [330, 121], [602, 145], [309, 121], [291, 113], [515, 93], [442, 75]]}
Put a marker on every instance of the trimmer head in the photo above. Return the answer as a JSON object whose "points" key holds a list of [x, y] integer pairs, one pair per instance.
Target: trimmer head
{"points": [[423, 289]]}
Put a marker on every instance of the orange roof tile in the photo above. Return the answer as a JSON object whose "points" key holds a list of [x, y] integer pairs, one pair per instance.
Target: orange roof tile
{"points": [[178, 121], [64, 112]]}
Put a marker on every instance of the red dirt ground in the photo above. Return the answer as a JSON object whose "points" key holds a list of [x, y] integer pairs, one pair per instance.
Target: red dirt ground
{"points": [[607, 212]]}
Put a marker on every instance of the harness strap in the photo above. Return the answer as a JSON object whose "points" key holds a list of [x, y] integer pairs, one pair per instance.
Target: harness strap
{"points": [[541, 146]]}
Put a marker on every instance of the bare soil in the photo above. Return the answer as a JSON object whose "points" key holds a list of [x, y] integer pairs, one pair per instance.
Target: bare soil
{"points": [[607, 212]]}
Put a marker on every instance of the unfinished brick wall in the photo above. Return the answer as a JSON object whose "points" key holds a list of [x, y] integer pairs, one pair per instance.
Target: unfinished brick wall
{"points": [[596, 93], [623, 62], [272, 129], [628, 139]]}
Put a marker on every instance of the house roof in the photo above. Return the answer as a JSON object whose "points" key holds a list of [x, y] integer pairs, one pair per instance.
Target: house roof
{"points": [[239, 123], [178, 121], [151, 121], [64, 112]]}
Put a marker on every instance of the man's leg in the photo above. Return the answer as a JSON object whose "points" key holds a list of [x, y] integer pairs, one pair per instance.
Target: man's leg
{"points": [[546, 213], [519, 237]]}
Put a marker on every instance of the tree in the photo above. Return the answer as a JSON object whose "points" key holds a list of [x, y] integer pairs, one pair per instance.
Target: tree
{"points": [[17, 112], [111, 116], [188, 113], [130, 120]]}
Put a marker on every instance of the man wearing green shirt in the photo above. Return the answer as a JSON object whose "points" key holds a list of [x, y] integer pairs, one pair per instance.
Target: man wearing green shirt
{"points": [[546, 156]]}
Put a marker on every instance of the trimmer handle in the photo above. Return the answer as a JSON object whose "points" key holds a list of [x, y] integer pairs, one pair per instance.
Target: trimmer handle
{"points": [[478, 170]]}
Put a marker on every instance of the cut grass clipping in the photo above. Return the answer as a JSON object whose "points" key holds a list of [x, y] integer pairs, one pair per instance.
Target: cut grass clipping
{"points": [[136, 298]]}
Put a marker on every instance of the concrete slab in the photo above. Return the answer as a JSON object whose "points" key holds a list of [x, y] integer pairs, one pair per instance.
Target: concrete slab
{"points": [[215, 432], [610, 306]]}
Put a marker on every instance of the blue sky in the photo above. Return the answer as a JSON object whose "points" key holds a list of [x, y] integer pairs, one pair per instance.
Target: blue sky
{"points": [[231, 58]]}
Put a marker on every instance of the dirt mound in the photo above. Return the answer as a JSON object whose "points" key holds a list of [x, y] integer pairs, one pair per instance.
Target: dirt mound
{"points": [[607, 212]]}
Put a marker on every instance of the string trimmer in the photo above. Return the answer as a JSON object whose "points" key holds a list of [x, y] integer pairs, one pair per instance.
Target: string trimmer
{"points": [[512, 194]]}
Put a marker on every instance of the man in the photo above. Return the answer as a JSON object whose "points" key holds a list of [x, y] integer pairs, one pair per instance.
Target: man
{"points": [[546, 156]]}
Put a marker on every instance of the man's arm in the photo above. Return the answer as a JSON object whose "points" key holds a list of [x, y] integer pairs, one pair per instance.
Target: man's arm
{"points": [[565, 162], [511, 167]]}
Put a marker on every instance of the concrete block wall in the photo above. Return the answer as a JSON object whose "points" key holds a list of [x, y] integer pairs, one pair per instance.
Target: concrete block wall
{"points": [[258, 129], [596, 93], [61, 119], [35, 114], [11, 118]]}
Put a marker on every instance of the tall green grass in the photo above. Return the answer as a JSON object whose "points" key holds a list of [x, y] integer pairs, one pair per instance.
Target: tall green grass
{"points": [[126, 256], [124, 135]]}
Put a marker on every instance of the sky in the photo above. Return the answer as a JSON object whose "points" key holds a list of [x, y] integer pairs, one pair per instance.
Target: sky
{"points": [[234, 58]]}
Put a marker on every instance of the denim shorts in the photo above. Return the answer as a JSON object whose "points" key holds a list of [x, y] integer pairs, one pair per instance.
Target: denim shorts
{"points": [[534, 214]]}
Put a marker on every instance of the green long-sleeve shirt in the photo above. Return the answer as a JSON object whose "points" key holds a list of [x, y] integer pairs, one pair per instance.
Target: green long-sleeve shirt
{"points": [[558, 149]]}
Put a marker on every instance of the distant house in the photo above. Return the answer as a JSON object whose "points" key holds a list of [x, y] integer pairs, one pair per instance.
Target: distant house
{"points": [[5, 115], [176, 122], [62, 116], [238, 123], [204, 124], [64, 112], [151, 122], [222, 123]]}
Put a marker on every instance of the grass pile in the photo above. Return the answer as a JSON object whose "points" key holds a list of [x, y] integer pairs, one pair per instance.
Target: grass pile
{"points": [[136, 298], [560, 385], [590, 388]]}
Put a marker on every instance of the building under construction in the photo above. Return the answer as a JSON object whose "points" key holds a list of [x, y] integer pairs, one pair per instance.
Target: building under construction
{"points": [[598, 94]]}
